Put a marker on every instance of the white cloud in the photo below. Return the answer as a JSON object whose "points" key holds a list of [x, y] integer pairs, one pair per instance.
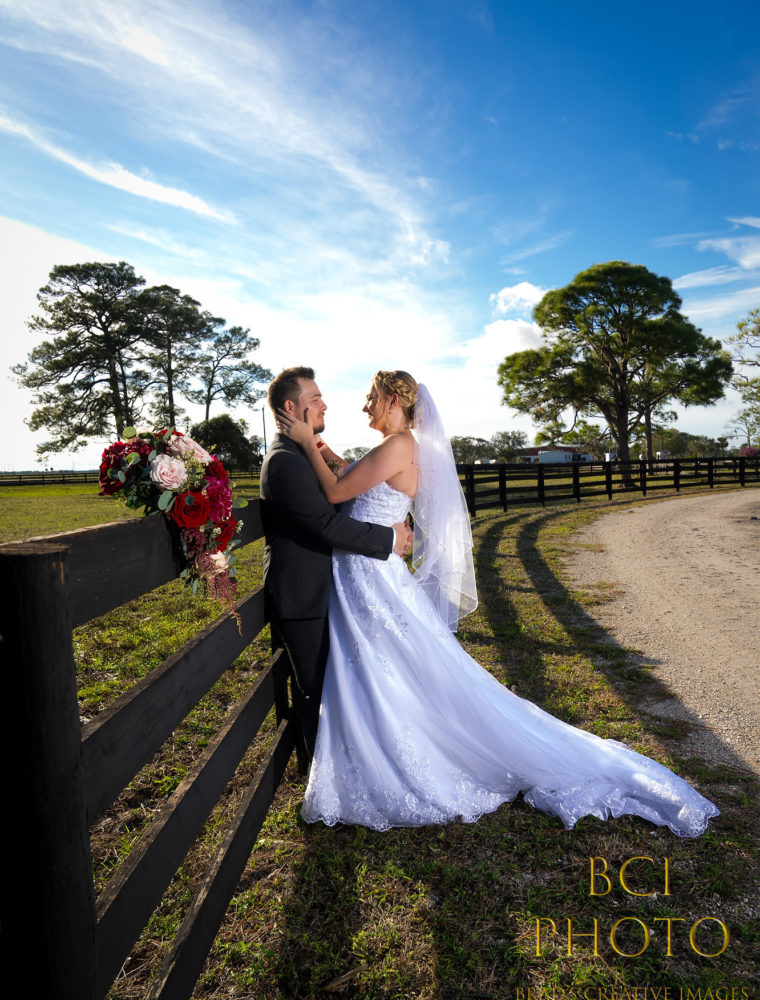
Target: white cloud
{"points": [[543, 246], [517, 298], [745, 250], [722, 310], [115, 175], [259, 93], [678, 239], [747, 220], [721, 275]]}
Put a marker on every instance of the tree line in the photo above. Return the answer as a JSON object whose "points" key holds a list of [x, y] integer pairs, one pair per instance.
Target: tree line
{"points": [[117, 350], [616, 348]]}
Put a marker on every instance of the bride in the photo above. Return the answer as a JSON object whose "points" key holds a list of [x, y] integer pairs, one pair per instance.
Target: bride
{"points": [[412, 730]]}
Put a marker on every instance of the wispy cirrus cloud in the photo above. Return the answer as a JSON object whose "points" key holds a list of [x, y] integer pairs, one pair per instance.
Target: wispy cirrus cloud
{"points": [[258, 96], [114, 174], [747, 220], [723, 307], [731, 105], [745, 250], [723, 274], [679, 239]]}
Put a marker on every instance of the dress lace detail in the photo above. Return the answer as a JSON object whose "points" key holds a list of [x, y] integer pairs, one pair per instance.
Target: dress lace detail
{"points": [[413, 731]]}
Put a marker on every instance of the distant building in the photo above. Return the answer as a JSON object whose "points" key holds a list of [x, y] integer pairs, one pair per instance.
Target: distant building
{"points": [[555, 453]]}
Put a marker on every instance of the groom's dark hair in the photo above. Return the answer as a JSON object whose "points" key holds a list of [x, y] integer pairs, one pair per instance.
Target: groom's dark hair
{"points": [[285, 386]]}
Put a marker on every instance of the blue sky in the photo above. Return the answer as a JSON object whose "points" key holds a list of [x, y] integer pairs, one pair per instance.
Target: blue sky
{"points": [[379, 184]]}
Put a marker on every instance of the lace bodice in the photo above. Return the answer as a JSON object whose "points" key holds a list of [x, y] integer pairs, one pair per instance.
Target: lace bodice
{"points": [[381, 504]]}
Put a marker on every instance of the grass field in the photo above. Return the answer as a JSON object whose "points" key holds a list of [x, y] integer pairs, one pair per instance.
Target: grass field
{"points": [[440, 912]]}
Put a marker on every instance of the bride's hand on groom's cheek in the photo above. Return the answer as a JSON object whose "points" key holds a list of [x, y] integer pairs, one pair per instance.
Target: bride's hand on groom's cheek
{"points": [[296, 430]]}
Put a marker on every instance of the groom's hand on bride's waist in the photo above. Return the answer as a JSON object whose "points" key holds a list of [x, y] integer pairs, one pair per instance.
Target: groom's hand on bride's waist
{"points": [[402, 539]]}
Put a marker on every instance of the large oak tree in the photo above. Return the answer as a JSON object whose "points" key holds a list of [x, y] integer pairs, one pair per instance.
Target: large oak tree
{"points": [[617, 346]]}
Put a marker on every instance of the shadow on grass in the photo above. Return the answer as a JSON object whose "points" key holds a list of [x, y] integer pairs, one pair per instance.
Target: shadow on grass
{"points": [[580, 635], [449, 912]]}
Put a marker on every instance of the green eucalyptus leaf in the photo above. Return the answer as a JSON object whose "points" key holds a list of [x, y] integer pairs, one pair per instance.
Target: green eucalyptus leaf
{"points": [[129, 432], [122, 478], [152, 455], [165, 500]]}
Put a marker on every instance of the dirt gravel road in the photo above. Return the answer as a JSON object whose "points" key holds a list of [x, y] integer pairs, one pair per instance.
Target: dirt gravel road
{"points": [[688, 573]]}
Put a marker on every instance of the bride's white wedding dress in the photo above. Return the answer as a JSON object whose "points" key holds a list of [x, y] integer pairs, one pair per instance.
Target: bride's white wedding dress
{"points": [[413, 731]]}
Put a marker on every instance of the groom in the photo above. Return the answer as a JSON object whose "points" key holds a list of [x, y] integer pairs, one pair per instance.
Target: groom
{"points": [[302, 529]]}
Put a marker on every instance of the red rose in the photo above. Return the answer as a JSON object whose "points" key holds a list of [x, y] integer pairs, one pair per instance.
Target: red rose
{"points": [[223, 539], [190, 510], [112, 458], [216, 470], [108, 486]]}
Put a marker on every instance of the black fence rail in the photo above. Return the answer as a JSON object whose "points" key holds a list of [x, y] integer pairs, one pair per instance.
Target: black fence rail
{"points": [[514, 484], [59, 778], [83, 476], [47, 478]]}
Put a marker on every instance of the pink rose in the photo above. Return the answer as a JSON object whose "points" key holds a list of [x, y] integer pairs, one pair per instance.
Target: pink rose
{"points": [[186, 446], [168, 472]]}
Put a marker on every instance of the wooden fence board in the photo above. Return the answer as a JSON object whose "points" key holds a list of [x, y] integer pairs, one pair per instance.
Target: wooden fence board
{"points": [[123, 737], [184, 963], [134, 892], [110, 564]]}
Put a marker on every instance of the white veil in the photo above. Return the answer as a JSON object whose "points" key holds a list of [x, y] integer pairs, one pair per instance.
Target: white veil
{"points": [[442, 546]]}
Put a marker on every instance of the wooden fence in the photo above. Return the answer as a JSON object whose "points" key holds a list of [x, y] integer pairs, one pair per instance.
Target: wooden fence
{"points": [[513, 484], [47, 478], [83, 476], [59, 778]]}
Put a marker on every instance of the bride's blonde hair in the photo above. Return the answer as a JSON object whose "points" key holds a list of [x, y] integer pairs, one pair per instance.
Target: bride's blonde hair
{"points": [[403, 385]]}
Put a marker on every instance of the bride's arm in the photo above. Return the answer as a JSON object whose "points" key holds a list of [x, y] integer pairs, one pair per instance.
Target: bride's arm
{"points": [[392, 455], [328, 454]]}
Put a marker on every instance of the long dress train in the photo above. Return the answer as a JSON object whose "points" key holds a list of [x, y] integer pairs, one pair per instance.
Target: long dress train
{"points": [[413, 731]]}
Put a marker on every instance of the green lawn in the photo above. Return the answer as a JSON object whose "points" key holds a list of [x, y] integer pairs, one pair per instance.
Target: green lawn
{"points": [[441, 912]]}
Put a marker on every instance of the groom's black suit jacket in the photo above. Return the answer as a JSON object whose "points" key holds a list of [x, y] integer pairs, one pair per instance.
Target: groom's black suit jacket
{"points": [[302, 528]]}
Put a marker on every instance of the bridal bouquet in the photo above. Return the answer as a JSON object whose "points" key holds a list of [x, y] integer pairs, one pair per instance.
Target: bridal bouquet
{"points": [[166, 471]]}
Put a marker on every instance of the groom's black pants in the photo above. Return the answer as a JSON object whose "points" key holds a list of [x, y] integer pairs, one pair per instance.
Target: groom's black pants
{"points": [[307, 641]]}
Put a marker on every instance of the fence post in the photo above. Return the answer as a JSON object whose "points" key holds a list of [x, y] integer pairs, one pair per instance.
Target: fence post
{"points": [[540, 483], [576, 482], [677, 474], [503, 486], [742, 470], [608, 478], [47, 893], [469, 478], [643, 477], [711, 472]]}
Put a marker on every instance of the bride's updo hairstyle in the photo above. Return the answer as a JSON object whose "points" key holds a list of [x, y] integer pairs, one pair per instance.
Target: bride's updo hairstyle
{"points": [[403, 385]]}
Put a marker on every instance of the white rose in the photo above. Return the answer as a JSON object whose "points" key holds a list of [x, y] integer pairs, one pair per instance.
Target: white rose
{"points": [[168, 472], [219, 559]]}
